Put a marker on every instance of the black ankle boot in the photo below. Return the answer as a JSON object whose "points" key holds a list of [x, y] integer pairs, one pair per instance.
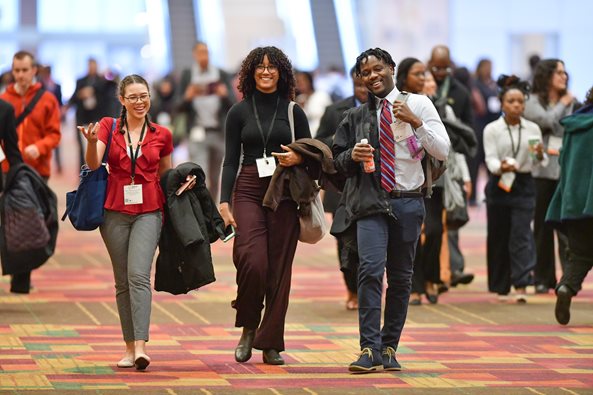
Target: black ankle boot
{"points": [[272, 357], [243, 350]]}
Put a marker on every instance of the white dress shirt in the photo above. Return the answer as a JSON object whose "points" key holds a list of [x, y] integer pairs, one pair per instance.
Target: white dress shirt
{"points": [[431, 136], [498, 145]]}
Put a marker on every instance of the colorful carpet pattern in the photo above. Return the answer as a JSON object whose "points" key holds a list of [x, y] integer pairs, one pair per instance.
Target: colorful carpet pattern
{"points": [[65, 337]]}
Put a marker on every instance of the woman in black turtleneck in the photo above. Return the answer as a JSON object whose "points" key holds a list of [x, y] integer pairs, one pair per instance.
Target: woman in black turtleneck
{"points": [[266, 240]]}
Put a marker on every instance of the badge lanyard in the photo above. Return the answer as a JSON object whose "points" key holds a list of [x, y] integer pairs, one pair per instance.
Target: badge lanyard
{"points": [[513, 150], [134, 155], [264, 138]]}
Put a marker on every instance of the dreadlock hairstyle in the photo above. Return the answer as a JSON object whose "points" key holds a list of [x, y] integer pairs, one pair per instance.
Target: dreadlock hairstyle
{"points": [[376, 52], [129, 80], [507, 82], [286, 81], [542, 79], [403, 70]]}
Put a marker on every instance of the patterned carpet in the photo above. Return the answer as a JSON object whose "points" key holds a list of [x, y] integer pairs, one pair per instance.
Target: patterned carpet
{"points": [[65, 338]]}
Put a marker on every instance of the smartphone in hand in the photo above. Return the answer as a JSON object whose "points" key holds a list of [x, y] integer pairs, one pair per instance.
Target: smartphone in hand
{"points": [[189, 183], [229, 233]]}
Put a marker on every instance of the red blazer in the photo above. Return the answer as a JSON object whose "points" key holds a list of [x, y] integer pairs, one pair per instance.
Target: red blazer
{"points": [[156, 145]]}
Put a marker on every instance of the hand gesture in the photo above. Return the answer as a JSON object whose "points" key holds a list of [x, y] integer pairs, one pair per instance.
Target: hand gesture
{"points": [[90, 133]]}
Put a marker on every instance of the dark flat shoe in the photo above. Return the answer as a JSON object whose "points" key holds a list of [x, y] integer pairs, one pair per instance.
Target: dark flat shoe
{"points": [[563, 298], [272, 357], [432, 298], [243, 350]]}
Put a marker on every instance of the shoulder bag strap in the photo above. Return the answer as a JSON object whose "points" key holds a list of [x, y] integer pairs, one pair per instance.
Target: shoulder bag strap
{"points": [[29, 107], [291, 118], [403, 96]]}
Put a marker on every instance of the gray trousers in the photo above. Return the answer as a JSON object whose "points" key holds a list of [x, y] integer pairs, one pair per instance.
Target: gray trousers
{"points": [[131, 241]]}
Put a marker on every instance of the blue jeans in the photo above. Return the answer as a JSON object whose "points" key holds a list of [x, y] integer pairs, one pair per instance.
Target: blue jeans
{"points": [[387, 243]]}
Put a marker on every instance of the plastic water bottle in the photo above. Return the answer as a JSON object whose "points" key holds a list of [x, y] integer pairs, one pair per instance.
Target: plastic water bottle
{"points": [[369, 165]]}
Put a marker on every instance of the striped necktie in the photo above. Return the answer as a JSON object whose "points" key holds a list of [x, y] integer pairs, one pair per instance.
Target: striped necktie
{"points": [[387, 148]]}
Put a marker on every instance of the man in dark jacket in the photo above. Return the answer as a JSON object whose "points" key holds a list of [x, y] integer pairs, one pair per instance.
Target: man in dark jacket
{"points": [[386, 205], [327, 128], [92, 101], [453, 93]]}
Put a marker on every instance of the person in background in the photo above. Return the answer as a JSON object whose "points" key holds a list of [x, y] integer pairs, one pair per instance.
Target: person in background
{"points": [[139, 153], [386, 205], [207, 96], [257, 128], [47, 81], [513, 147], [486, 110], [91, 100], [330, 120], [571, 206], [38, 133], [410, 77], [453, 93], [312, 101], [549, 103], [163, 104]]}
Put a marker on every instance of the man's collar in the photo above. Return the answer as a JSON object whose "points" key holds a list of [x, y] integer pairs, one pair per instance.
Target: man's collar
{"points": [[391, 97]]}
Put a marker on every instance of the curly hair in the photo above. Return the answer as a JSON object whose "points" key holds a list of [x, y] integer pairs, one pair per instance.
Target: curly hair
{"points": [[376, 52], [129, 80], [286, 81], [507, 82], [403, 70], [542, 78]]}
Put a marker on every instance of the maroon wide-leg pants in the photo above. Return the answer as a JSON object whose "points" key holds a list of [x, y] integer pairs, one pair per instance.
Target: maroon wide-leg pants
{"points": [[263, 252]]}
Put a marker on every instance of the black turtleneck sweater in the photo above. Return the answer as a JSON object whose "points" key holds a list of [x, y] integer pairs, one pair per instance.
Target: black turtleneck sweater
{"points": [[242, 134]]}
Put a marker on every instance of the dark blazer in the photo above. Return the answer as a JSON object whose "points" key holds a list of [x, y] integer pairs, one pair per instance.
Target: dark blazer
{"points": [[191, 223], [331, 118], [29, 221], [103, 107], [459, 99], [8, 136]]}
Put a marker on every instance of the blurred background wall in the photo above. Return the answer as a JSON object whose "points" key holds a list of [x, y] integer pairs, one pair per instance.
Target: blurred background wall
{"points": [[155, 37]]}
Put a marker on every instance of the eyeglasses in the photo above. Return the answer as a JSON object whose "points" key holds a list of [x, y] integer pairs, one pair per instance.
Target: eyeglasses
{"points": [[436, 69], [135, 99], [271, 68]]}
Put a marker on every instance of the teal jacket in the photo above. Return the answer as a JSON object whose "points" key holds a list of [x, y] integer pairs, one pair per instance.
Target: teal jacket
{"points": [[573, 198]]}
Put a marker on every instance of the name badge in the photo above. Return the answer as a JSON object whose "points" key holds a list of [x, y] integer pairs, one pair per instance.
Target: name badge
{"points": [[401, 131], [265, 166], [133, 194]]}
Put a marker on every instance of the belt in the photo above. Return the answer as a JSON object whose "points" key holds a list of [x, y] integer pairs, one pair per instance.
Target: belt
{"points": [[397, 194]]}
